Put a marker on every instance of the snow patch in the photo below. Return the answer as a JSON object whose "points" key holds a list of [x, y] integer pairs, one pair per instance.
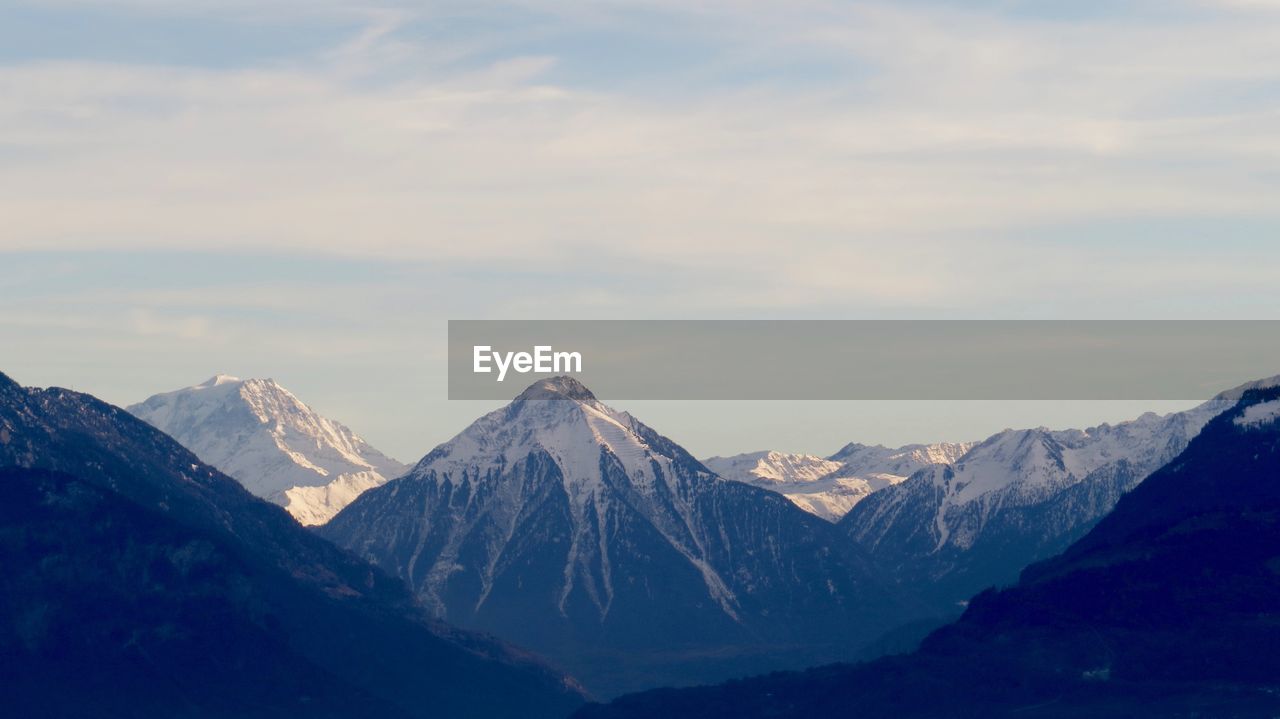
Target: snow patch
{"points": [[1259, 414]]}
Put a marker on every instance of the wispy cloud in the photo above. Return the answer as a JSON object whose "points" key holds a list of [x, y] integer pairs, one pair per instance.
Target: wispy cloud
{"points": [[938, 121], [639, 158]]}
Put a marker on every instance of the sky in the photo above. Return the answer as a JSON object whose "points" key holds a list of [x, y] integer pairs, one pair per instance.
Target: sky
{"points": [[310, 190]]}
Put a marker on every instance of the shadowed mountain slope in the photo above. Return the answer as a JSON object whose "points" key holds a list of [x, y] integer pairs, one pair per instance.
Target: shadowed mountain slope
{"points": [[141, 582]]}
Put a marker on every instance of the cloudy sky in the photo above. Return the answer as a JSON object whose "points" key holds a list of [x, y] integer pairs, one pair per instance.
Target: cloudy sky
{"points": [[309, 190]]}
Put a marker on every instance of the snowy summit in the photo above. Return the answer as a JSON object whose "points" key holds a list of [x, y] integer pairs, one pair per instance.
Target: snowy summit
{"points": [[572, 528], [270, 441]]}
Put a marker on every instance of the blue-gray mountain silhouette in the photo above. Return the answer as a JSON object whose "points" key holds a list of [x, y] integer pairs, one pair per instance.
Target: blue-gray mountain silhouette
{"points": [[139, 582]]}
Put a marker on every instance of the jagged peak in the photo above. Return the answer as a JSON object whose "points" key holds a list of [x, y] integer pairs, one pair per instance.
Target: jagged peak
{"points": [[849, 449], [7, 382], [561, 387]]}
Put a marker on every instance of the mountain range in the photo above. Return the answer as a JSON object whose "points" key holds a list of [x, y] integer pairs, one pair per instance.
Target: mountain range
{"points": [[139, 581], [1168, 607], [954, 529], [276, 446], [556, 523], [560, 508], [946, 521], [574, 529], [829, 486]]}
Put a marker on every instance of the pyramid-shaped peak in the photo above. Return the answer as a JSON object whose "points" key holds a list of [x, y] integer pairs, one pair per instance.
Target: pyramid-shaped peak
{"points": [[561, 387]]}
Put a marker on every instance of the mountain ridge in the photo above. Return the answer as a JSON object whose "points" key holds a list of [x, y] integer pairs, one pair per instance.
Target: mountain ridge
{"points": [[829, 487], [1017, 497]]}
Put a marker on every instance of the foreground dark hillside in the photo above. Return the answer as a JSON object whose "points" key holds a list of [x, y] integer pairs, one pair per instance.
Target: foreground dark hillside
{"points": [[123, 611], [139, 582], [1170, 607]]}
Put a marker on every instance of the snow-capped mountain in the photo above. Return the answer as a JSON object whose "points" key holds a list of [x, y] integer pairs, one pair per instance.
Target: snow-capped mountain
{"points": [[276, 446], [1019, 496], [139, 581], [574, 529], [830, 487]]}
